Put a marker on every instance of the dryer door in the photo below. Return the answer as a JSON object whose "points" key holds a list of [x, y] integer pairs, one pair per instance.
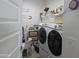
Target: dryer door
{"points": [[42, 35], [55, 43]]}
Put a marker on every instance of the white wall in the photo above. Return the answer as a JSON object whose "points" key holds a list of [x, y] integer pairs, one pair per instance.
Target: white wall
{"points": [[35, 6], [71, 32], [10, 28]]}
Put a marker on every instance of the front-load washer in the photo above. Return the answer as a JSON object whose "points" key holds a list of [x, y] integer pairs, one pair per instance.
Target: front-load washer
{"points": [[42, 41]]}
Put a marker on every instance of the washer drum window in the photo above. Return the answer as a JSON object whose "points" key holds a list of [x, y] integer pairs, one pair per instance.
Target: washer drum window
{"points": [[55, 43], [42, 35]]}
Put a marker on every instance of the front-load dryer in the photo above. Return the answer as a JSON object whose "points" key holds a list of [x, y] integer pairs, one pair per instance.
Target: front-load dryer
{"points": [[54, 44]]}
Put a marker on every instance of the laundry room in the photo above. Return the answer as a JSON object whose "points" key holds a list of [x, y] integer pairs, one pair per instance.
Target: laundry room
{"points": [[39, 29], [40, 19]]}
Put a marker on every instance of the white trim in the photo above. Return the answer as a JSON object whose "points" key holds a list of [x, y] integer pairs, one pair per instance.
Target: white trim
{"points": [[13, 51], [2, 19], [8, 22], [11, 3], [3, 54], [7, 37]]}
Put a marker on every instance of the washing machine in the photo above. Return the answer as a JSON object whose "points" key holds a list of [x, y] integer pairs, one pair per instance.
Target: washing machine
{"points": [[42, 40]]}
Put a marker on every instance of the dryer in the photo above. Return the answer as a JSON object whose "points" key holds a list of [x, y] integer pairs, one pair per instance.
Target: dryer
{"points": [[54, 43]]}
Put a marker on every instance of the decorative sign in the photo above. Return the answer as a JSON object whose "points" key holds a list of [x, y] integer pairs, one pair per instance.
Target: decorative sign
{"points": [[73, 4], [58, 11]]}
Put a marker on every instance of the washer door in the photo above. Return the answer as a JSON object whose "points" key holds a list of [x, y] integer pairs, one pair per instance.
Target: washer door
{"points": [[55, 43], [42, 35]]}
